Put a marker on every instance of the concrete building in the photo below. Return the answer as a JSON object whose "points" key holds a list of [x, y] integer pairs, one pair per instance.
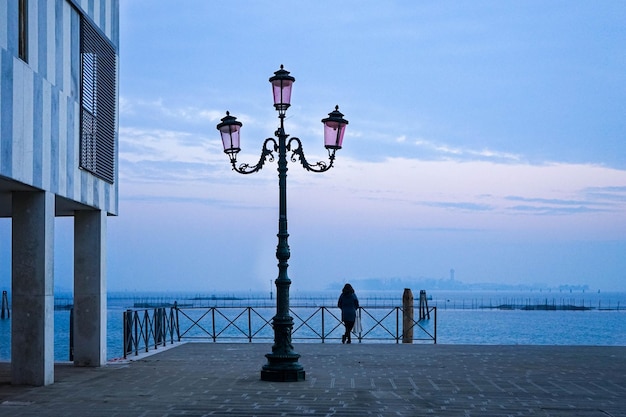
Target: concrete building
{"points": [[58, 157]]}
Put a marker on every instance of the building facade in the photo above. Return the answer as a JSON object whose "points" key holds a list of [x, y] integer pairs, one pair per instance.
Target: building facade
{"points": [[58, 157]]}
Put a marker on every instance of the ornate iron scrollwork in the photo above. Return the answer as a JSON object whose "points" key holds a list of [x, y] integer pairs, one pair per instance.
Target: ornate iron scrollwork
{"points": [[320, 166], [267, 153]]}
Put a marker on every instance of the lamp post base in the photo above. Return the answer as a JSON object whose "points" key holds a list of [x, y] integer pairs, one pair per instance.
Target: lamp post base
{"points": [[282, 368]]}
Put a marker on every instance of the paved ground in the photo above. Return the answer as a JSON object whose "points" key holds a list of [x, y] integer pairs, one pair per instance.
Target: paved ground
{"points": [[204, 379]]}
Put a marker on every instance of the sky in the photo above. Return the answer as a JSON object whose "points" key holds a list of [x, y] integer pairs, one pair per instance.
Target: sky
{"points": [[486, 137]]}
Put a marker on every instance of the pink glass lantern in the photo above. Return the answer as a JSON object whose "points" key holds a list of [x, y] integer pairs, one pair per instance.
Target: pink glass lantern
{"points": [[281, 88], [229, 129], [334, 129]]}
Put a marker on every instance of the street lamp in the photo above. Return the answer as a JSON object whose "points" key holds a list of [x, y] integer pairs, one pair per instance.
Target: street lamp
{"points": [[282, 363]]}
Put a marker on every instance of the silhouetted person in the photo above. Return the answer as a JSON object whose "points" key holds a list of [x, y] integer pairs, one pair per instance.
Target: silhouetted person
{"points": [[348, 303]]}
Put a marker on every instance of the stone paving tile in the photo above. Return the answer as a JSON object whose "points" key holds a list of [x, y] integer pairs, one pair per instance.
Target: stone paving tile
{"points": [[342, 380]]}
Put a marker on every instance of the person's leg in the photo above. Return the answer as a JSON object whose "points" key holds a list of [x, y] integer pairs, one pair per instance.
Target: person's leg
{"points": [[349, 326]]}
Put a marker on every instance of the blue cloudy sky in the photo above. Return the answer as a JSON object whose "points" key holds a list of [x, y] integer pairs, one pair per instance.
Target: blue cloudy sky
{"points": [[484, 136]]}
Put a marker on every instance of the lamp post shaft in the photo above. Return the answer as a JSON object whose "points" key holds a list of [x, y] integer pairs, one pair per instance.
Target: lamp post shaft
{"points": [[282, 250], [282, 363]]}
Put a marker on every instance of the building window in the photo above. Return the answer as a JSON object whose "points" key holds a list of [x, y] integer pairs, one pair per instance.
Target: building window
{"points": [[98, 102], [23, 30]]}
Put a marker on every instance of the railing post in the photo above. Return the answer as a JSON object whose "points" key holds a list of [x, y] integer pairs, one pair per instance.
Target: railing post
{"points": [[249, 325], [156, 326], [323, 330], [213, 323], [146, 336], [72, 334], [177, 322], [358, 311], [125, 335], [163, 326], [161, 336], [435, 333], [136, 332]]}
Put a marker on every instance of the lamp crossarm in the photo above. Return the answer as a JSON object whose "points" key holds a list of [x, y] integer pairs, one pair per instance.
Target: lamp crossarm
{"points": [[297, 150], [267, 154]]}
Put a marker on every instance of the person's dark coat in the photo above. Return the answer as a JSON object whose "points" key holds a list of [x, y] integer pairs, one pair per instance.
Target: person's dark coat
{"points": [[348, 303]]}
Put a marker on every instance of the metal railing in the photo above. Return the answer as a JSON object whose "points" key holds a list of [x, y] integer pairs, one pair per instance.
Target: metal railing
{"points": [[150, 328], [143, 330]]}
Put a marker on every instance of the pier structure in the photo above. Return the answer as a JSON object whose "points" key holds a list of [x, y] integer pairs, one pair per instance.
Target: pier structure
{"points": [[342, 380], [58, 157]]}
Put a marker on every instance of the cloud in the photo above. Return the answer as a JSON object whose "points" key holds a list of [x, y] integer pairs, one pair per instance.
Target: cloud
{"points": [[406, 192], [471, 185], [158, 108], [454, 230], [167, 145], [553, 211], [546, 200], [614, 194], [398, 193], [555, 207], [459, 205], [167, 115], [443, 150]]}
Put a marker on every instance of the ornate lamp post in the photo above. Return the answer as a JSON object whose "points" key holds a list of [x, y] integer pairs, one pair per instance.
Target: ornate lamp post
{"points": [[282, 363]]}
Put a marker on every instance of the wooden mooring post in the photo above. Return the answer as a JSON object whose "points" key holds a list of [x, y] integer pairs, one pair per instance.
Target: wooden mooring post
{"points": [[407, 316], [5, 306], [423, 308]]}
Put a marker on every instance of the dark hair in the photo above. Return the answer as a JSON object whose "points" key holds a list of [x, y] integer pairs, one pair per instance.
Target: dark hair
{"points": [[347, 289]]}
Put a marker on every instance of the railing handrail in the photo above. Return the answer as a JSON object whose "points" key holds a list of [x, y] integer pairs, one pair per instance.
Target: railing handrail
{"points": [[146, 328]]}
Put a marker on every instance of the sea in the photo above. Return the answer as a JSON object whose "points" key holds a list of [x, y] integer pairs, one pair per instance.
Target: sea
{"points": [[547, 317]]}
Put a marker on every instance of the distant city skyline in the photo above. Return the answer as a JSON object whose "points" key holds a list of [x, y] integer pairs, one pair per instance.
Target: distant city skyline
{"points": [[442, 284], [484, 137]]}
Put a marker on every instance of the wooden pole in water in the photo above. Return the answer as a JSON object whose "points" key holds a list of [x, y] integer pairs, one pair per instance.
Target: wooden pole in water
{"points": [[407, 316], [5, 306], [423, 308]]}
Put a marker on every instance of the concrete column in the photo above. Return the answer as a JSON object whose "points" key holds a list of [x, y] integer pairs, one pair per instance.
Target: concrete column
{"points": [[90, 299], [32, 326]]}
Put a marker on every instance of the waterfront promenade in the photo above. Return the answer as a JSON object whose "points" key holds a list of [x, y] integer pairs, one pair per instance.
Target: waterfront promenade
{"points": [[218, 379]]}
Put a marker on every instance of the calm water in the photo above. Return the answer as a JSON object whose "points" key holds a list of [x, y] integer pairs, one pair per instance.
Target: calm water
{"points": [[462, 317]]}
